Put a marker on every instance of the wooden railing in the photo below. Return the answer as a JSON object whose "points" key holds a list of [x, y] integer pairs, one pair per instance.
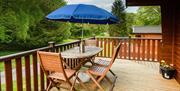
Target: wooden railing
{"points": [[145, 49], [28, 75]]}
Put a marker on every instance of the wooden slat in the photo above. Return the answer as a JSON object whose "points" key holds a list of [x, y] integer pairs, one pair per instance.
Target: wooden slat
{"points": [[148, 49], [19, 85], [134, 49], [101, 40], [139, 49], [143, 49], [109, 41], [116, 43], [64, 47], [8, 75], [57, 49], [61, 49], [35, 72], [71, 45], [156, 50], [121, 53], [41, 80], [73, 63], [27, 73], [97, 44], [69, 63], [105, 40], [125, 48], [112, 47], [129, 48], [153, 50], [159, 50]]}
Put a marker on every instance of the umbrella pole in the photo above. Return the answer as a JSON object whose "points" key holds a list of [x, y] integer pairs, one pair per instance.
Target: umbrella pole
{"points": [[82, 46], [82, 29], [82, 32]]}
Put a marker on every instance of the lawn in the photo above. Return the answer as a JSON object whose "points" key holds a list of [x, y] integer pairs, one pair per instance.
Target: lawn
{"points": [[7, 52]]}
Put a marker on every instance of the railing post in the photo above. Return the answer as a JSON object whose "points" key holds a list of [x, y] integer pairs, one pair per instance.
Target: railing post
{"points": [[129, 48], [94, 36], [52, 45]]}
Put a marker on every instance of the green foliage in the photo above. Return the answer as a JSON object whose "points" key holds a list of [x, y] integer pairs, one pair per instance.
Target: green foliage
{"points": [[89, 30], [148, 15], [22, 23], [130, 18], [118, 9]]}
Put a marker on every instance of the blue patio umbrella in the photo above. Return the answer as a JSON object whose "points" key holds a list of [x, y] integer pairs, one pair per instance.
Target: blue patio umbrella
{"points": [[82, 13]]}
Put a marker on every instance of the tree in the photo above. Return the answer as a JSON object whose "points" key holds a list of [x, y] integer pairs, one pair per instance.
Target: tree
{"points": [[118, 9], [88, 29], [148, 15], [130, 19], [23, 24]]}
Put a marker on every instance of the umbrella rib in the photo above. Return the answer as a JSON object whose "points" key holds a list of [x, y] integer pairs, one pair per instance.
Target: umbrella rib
{"points": [[75, 10]]}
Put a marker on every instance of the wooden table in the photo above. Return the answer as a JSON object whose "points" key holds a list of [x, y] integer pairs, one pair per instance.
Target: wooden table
{"points": [[77, 59]]}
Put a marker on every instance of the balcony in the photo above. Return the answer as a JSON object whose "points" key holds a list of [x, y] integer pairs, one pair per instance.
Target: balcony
{"points": [[136, 67]]}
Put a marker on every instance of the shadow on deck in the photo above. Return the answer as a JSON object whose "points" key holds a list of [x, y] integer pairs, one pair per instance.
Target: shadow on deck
{"points": [[139, 76]]}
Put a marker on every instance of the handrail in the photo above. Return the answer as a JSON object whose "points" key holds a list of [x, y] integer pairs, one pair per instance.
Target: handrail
{"points": [[12, 56], [131, 38], [145, 49]]}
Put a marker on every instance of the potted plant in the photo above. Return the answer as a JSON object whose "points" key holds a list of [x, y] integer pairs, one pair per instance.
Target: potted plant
{"points": [[167, 71]]}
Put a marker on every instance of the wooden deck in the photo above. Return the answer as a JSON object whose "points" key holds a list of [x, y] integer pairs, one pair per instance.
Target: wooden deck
{"points": [[139, 76]]}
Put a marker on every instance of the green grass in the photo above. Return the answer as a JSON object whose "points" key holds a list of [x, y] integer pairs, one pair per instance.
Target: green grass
{"points": [[7, 52], [3, 86], [68, 40], [3, 53]]}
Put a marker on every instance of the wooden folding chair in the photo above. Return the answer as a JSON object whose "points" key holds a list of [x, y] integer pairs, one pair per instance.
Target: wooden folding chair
{"points": [[53, 66], [98, 72], [90, 42], [102, 62]]}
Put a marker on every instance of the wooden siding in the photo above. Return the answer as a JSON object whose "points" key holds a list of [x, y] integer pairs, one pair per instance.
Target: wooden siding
{"points": [[149, 35], [167, 32], [170, 11], [143, 2], [177, 44]]}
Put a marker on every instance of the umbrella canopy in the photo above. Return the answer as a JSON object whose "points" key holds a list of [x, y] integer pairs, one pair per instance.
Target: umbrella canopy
{"points": [[82, 13]]}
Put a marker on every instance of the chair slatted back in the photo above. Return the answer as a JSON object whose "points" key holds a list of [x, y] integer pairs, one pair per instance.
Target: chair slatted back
{"points": [[115, 54], [101, 71], [51, 61]]}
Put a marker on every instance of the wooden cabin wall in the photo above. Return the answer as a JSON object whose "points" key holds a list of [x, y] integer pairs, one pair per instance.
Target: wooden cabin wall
{"points": [[167, 32], [170, 12], [177, 43], [171, 35]]}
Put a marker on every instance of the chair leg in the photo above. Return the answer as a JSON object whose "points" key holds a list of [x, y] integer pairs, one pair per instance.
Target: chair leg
{"points": [[72, 87], [108, 79], [94, 80], [74, 81], [81, 83], [49, 86], [112, 72]]}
